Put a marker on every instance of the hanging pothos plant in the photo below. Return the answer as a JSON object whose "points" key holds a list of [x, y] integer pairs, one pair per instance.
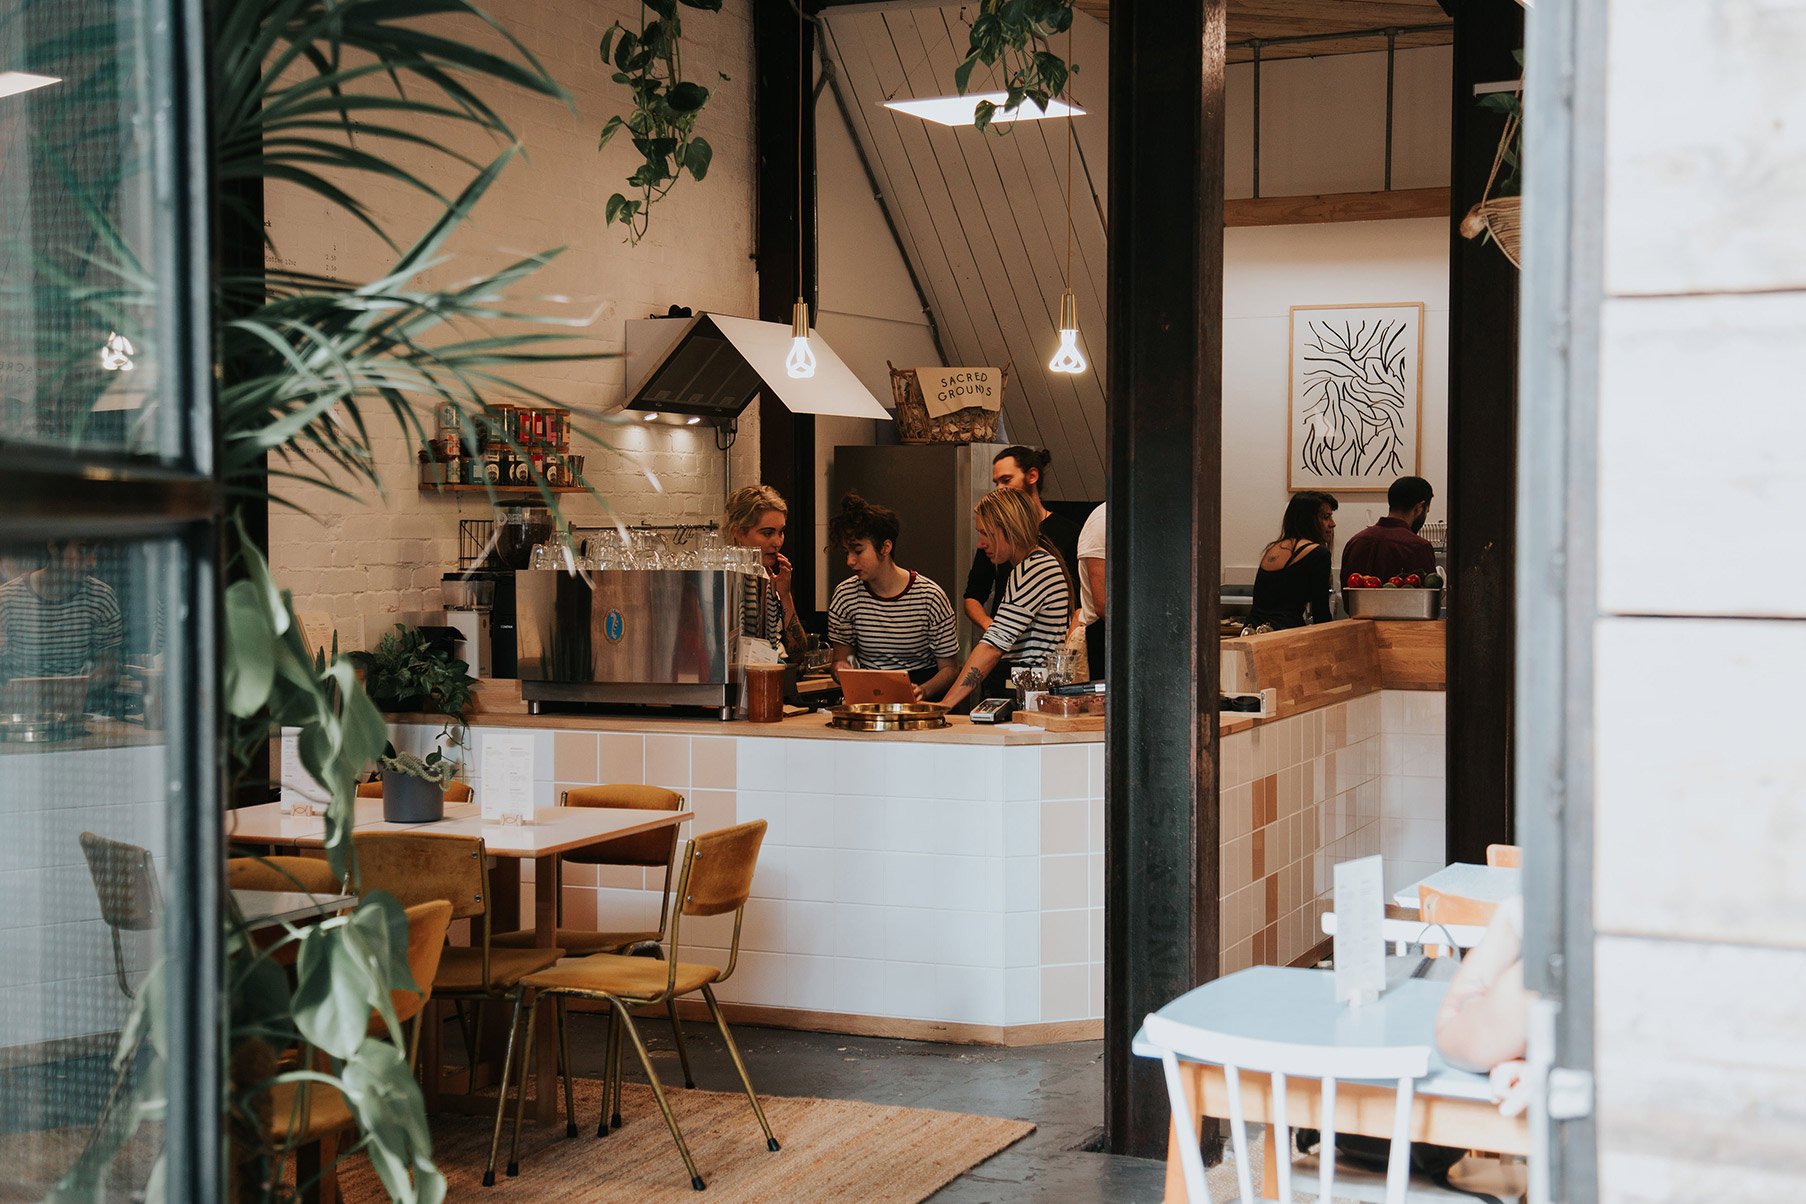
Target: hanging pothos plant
{"points": [[1017, 34], [649, 63]]}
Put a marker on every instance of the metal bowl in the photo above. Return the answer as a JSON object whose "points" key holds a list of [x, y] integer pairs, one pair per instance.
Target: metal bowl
{"points": [[888, 716]]}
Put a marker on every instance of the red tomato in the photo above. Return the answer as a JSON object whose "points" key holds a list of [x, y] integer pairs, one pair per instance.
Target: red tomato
{"points": [[1356, 581], [1372, 582], [1395, 581], [1413, 580]]}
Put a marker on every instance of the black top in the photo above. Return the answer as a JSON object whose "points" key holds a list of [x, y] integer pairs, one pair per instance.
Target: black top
{"points": [[985, 583], [1282, 595]]}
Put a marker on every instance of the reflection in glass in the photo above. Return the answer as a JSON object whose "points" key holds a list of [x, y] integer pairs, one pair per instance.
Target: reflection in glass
{"points": [[84, 772]]}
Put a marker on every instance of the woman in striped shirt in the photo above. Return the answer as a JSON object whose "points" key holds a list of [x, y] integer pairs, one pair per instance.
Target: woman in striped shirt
{"points": [[1032, 618], [885, 616]]}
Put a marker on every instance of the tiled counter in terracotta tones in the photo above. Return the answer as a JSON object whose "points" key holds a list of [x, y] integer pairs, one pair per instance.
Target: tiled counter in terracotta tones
{"points": [[1352, 765], [944, 885]]}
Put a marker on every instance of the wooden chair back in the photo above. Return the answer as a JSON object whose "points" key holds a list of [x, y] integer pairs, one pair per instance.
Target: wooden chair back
{"points": [[1436, 907], [427, 923], [717, 878], [125, 882], [418, 868], [1505, 856], [648, 848], [1400, 1064], [308, 874]]}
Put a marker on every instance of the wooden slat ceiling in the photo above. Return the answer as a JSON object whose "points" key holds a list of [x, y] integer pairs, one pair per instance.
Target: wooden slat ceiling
{"points": [[1266, 19]]}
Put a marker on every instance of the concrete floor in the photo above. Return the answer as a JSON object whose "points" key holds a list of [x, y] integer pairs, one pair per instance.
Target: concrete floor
{"points": [[1058, 1087]]}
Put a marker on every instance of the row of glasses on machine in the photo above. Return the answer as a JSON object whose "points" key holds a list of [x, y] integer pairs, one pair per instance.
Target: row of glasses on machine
{"points": [[638, 550]]}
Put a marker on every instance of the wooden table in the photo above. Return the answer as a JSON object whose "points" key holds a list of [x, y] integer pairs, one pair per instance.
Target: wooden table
{"points": [[1488, 883], [554, 830], [1277, 1003]]}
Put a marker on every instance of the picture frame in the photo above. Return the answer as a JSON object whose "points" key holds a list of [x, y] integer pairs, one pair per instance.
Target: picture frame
{"points": [[1354, 395]]}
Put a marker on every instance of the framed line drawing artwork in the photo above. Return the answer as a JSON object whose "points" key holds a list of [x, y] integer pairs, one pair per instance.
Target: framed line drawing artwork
{"points": [[1355, 401]]}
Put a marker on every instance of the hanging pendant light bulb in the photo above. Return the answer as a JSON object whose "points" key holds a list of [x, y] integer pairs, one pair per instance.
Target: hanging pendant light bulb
{"points": [[1068, 358], [800, 363]]}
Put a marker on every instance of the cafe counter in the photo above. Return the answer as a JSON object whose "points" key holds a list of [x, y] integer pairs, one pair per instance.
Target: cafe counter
{"points": [[942, 885]]}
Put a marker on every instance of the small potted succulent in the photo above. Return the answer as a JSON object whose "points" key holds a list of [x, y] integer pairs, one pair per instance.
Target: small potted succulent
{"points": [[413, 789]]}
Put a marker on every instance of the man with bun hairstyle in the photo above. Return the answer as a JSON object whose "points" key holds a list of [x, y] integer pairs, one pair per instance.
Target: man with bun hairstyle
{"points": [[1019, 468]]}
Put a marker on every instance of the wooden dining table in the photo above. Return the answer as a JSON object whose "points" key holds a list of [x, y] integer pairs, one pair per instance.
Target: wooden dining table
{"points": [[554, 830], [1279, 1003]]}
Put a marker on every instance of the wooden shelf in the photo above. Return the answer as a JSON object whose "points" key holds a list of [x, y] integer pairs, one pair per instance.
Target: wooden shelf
{"points": [[500, 490]]}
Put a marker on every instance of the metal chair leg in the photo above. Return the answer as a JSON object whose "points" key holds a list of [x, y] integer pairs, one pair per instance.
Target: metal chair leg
{"points": [[520, 1088], [501, 1099], [470, 1041], [614, 1107], [658, 1093], [566, 1071], [677, 1032], [608, 1073], [771, 1143]]}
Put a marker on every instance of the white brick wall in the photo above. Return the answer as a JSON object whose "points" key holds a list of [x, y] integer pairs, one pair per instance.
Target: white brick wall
{"points": [[386, 554]]}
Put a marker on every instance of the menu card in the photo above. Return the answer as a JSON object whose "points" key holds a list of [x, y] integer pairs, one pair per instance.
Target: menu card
{"points": [[505, 787], [1359, 950]]}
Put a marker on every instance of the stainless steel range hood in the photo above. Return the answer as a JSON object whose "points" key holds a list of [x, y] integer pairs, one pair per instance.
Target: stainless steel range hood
{"points": [[711, 365]]}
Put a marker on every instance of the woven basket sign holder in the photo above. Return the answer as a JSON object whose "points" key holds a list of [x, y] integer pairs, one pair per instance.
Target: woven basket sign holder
{"points": [[1501, 218], [974, 424]]}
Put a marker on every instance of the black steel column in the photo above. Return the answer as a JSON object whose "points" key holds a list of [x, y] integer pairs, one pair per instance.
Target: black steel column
{"points": [[1481, 493], [1165, 402], [786, 440]]}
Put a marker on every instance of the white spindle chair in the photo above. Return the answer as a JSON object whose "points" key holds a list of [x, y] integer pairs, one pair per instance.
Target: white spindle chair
{"points": [[1402, 1064]]}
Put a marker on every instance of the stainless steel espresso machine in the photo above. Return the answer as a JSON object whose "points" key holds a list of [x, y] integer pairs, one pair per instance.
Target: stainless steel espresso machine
{"points": [[640, 635]]}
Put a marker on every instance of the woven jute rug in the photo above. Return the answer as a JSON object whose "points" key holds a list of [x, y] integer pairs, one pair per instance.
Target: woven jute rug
{"points": [[833, 1150]]}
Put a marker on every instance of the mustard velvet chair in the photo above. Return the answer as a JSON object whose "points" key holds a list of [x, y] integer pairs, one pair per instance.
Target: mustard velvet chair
{"points": [[422, 868], [455, 792], [309, 1118], [309, 875], [649, 850], [715, 879]]}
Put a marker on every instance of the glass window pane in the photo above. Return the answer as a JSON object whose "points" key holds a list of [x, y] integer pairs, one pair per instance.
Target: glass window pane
{"points": [[90, 637], [80, 320]]}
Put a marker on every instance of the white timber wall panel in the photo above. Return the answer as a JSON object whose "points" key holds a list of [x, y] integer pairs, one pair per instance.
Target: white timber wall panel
{"points": [[1703, 845], [1701, 430], [1706, 159], [380, 557]]}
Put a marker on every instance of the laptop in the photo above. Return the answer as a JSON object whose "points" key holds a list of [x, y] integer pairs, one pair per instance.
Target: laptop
{"points": [[876, 685]]}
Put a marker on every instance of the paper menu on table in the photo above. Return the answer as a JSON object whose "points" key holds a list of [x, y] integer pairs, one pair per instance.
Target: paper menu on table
{"points": [[1359, 949], [505, 778]]}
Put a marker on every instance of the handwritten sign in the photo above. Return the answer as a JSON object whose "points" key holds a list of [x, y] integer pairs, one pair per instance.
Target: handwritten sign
{"points": [[505, 760], [945, 390], [1359, 950]]}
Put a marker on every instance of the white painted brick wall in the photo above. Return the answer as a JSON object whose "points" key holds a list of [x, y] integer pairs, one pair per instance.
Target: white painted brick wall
{"points": [[380, 556]]}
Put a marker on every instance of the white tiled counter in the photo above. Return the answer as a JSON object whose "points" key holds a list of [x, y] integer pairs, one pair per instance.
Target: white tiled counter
{"points": [[937, 884]]}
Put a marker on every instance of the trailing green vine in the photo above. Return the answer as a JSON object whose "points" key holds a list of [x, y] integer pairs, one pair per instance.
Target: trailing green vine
{"points": [[662, 123], [1017, 34]]}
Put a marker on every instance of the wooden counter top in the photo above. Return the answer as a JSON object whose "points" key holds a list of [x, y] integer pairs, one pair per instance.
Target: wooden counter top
{"points": [[1325, 663], [959, 729]]}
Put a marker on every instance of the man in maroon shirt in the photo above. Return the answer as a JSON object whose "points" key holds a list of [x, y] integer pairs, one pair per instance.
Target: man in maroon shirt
{"points": [[1392, 547]]}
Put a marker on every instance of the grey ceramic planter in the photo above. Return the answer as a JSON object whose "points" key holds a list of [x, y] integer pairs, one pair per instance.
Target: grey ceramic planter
{"points": [[409, 800]]}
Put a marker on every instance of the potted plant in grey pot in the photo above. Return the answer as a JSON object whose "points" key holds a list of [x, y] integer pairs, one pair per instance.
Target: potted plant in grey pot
{"points": [[414, 790]]}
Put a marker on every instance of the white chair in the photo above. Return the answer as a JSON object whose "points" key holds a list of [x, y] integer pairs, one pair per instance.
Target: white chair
{"points": [[1400, 1064]]}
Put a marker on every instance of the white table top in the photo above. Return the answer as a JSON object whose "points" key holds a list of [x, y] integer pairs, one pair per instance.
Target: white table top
{"points": [[278, 906], [554, 830], [1280, 1003], [1488, 883]]}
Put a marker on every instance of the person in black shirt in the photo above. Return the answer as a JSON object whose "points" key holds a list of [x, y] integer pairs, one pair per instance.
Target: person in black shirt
{"points": [[1019, 468], [1291, 587]]}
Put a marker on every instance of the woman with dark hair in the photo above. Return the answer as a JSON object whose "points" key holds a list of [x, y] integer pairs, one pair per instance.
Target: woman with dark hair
{"points": [[885, 616], [1019, 468], [1291, 588]]}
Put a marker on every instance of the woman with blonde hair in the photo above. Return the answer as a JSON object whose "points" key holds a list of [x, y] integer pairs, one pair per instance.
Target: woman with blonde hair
{"points": [[755, 518], [1036, 608]]}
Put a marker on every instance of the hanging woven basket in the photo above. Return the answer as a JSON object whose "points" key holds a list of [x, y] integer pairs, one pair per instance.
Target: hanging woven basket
{"points": [[1498, 217]]}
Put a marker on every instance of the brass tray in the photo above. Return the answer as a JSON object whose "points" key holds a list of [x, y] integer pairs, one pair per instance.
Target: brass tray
{"points": [[888, 716]]}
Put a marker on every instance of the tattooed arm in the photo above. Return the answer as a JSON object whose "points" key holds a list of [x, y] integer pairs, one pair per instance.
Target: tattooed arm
{"points": [[984, 658]]}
